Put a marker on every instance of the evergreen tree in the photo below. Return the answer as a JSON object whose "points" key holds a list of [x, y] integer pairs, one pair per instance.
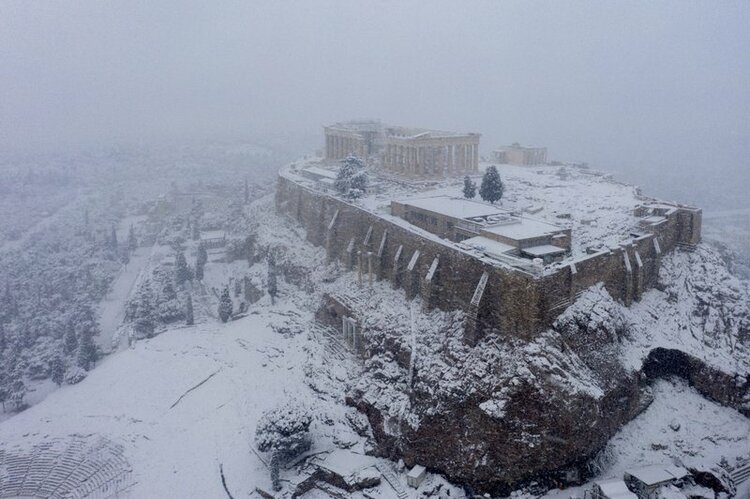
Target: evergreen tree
{"points": [[189, 320], [70, 340], [16, 388], [351, 180], [142, 310], [275, 482], [225, 305], [182, 271], [492, 187], [113, 239], [470, 188], [57, 370], [132, 241], [200, 261], [196, 235], [247, 192], [4, 379], [250, 249], [87, 352], [273, 288]]}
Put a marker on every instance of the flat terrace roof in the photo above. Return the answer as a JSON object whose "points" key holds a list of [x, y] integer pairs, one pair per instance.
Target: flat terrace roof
{"points": [[525, 228], [454, 207]]}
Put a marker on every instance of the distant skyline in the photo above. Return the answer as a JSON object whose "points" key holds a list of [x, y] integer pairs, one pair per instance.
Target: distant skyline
{"points": [[640, 87]]}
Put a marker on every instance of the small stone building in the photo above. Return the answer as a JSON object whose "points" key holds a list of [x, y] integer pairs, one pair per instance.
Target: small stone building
{"points": [[609, 489], [516, 154], [416, 476], [647, 481], [490, 229]]}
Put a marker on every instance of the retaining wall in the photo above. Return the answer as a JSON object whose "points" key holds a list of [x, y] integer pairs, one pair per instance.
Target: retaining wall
{"points": [[507, 300]]}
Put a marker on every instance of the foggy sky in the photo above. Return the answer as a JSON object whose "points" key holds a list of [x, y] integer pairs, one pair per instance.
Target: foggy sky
{"points": [[639, 86]]}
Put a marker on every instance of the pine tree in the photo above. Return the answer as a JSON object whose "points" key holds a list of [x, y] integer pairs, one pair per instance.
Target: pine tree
{"points": [[247, 192], [225, 305], [200, 261], [132, 241], [113, 239], [57, 370], [351, 180], [182, 271], [470, 188], [492, 187], [189, 320]]}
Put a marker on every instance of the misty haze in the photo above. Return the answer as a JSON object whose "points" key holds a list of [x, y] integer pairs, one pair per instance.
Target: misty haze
{"points": [[374, 249]]}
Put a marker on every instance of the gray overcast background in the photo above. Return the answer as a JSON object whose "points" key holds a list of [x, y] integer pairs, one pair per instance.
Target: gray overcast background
{"points": [[648, 89]]}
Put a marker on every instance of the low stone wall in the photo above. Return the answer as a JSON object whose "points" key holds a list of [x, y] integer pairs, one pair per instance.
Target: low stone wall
{"points": [[507, 300], [728, 389]]}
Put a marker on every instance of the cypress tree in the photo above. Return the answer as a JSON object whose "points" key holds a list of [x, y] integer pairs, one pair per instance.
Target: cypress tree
{"points": [[470, 188], [132, 241], [200, 261], [189, 311], [70, 340], [182, 271], [272, 284], [87, 352], [57, 370], [225, 305]]}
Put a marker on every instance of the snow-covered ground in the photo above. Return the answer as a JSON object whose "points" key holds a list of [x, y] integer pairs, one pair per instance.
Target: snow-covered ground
{"points": [[177, 411], [679, 427]]}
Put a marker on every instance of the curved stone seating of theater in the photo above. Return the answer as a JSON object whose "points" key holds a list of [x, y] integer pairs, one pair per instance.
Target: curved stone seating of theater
{"points": [[73, 467]]}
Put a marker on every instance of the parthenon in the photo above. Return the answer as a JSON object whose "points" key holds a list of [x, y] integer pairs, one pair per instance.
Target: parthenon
{"points": [[414, 152], [357, 138]]}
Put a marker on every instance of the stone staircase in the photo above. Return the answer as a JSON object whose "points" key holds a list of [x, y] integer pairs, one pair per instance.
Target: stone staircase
{"points": [[393, 481], [331, 343], [741, 474]]}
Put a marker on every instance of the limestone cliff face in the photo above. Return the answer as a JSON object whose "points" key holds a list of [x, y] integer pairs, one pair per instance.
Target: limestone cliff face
{"points": [[496, 415], [509, 411]]}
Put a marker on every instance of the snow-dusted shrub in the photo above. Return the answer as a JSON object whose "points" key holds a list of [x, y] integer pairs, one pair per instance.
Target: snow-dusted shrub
{"points": [[284, 430], [75, 375]]}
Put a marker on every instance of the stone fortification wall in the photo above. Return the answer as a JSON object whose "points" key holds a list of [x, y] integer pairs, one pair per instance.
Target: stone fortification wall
{"points": [[507, 300], [445, 277]]}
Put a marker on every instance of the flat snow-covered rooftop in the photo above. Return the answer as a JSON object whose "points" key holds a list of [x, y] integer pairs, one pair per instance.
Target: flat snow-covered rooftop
{"points": [[453, 206]]}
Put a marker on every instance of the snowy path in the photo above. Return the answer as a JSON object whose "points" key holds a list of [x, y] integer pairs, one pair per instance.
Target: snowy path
{"points": [[112, 307]]}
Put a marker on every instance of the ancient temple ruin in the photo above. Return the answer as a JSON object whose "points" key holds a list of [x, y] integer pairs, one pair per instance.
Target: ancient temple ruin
{"points": [[412, 152]]}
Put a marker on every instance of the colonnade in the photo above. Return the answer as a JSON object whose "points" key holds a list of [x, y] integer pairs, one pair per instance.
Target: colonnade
{"points": [[431, 160], [340, 146]]}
